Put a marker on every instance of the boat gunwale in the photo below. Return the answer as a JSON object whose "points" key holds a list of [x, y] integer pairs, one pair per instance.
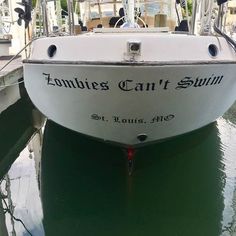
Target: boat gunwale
{"points": [[129, 63]]}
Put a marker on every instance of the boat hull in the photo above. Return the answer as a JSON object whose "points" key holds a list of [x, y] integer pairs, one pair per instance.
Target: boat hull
{"points": [[131, 104]]}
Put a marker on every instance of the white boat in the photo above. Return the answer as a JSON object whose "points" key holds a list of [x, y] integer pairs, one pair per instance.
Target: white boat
{"points": [[133, 84]]}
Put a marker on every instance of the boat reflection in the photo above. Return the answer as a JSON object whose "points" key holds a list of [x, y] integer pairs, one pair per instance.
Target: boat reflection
{"points": [[77, 186], [176, 187]]}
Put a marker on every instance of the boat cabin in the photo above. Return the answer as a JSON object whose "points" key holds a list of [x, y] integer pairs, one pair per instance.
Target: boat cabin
{"points": [[135, 15], [111, 14]]}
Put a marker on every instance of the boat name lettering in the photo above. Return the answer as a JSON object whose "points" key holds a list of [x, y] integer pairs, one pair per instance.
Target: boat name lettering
{"points": [[75, 83], [118, 119], [98, 117], [132, 120], [157, 119], [130, 85], [188, 81]]}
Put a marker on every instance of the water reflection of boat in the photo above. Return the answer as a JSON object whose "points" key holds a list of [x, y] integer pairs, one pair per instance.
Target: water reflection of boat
{"points": [[134, 84], [188, 182], [85, 188]]}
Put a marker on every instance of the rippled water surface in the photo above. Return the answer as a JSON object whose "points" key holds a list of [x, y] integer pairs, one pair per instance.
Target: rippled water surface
{"points": [[57, 182]]}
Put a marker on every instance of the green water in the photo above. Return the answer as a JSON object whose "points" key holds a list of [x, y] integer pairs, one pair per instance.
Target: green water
{"points": [[182, 187]]}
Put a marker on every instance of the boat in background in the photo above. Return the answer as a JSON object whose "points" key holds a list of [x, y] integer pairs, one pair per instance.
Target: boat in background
{"points": [[5, 38], [136, 76]]}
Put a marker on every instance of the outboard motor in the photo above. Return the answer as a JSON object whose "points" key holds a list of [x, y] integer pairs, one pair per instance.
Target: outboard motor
{"points": [[25, 14]]}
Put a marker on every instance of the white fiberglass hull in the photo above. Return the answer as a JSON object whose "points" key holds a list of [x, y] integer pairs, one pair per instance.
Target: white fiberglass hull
{"points": [[118, 103], [131, 103]]}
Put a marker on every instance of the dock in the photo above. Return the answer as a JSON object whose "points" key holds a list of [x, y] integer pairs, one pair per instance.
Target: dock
{"points": [[9, 79], [12, 72]]}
